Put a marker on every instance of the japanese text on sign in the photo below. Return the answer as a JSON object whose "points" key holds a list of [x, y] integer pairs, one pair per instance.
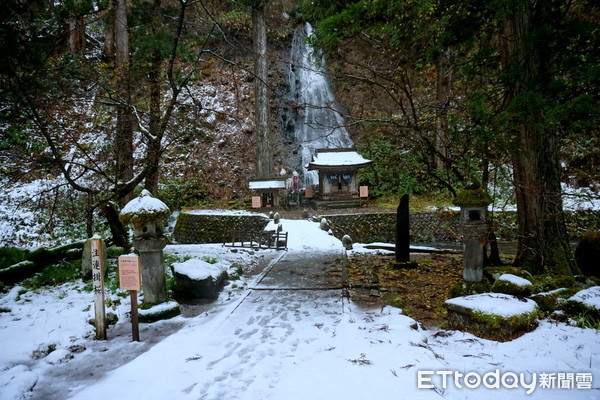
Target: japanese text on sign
{"points": [[129, 273], [97, 267]]}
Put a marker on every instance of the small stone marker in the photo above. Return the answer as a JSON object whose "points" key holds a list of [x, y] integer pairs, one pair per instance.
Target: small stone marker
{"points": [[98, 268], [130, 279]]}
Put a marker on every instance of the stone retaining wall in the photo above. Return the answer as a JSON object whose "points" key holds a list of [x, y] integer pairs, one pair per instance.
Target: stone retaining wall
{"points": [[381, 227], [215, 228], [428, 227], [425, 227]]}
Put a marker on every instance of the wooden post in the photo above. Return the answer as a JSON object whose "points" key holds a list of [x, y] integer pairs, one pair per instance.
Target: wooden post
{"points": [[130, 279], [98, 268], [135, 325]]}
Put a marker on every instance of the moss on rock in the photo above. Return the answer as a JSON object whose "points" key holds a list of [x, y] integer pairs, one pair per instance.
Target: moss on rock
{"points": [[469, 314], [472, 197], [508, 286], [548, 301], [583, 302], [493, 273]]}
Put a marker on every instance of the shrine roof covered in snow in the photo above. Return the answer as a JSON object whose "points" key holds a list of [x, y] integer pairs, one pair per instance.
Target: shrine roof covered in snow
{"points": [[266, 184], [337, 158]]}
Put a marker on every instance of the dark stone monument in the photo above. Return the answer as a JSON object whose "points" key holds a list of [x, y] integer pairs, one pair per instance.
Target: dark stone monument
{"points": [[403, 236], [402, 231]]}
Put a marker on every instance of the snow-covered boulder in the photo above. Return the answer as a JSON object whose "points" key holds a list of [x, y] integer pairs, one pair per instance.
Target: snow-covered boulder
{"points": [[585, 301], [548, 301], [199, 279], [512, 284], [497, 315], [589, 297], [166, 310], [59, 356]]}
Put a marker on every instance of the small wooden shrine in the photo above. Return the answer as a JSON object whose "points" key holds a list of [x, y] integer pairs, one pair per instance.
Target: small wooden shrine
{"points": [[338, 170], [269, 190]]}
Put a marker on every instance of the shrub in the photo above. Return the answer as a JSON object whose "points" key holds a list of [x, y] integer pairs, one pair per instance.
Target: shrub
{"points": [[56, 274], [178, 193]]}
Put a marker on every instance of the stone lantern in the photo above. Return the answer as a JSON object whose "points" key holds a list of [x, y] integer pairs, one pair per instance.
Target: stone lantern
{"points": [[473, 203], [146, 214]]}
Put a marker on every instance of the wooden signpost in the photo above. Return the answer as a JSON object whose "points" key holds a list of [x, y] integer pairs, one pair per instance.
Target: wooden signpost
{"points": [[308, 192], [256, 202], [363, 191], [96, 247], [130, 279]]}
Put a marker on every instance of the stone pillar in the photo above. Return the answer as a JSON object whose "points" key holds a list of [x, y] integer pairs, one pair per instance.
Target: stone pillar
{"points": [[473, 233], [473, 204], [153, 269], [146, 213]]}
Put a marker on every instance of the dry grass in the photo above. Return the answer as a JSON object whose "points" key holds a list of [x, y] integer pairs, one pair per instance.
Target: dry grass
{"points": [[420, 292]]}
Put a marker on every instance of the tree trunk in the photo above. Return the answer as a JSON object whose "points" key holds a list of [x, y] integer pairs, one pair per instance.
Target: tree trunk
{"points": [[155, 79], [124, 131], [490, 239], [265, 166], [117, 229], [89, 215], [76, 33], [442, 95], [109, 31], [543, 243]]}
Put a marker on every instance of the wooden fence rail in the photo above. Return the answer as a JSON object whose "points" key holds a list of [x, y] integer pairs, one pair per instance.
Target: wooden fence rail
{"points": [[258, 240]]}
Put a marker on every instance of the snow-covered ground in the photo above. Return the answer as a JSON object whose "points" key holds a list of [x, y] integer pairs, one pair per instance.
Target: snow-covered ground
{"points": [[278, 344]]}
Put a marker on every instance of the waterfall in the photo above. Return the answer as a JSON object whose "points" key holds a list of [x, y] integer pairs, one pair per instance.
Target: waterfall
{"points": [[310, 119]]}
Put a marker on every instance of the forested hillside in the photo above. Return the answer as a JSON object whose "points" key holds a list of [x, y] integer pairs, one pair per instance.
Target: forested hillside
{"points": [[464, 88], [84, 125], [101, 98]]}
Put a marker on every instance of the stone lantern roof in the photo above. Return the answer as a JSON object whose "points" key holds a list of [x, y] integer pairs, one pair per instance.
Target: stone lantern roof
{"points": [[143, 209], [472, 198]]}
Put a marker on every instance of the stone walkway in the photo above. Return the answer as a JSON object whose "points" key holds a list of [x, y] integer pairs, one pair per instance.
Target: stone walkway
{"points": [[297, 297], [310, 271]]}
